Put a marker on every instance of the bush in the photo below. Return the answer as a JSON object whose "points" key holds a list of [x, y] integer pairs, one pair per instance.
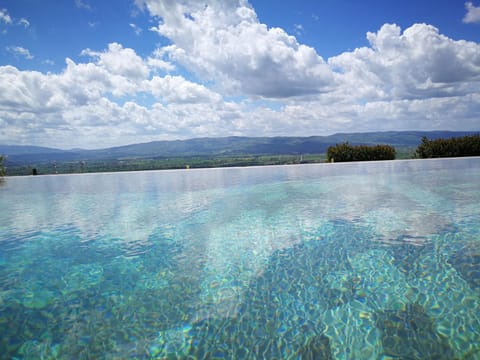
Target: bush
{"points": [[2, 168], [454, 147], [346, 152]]}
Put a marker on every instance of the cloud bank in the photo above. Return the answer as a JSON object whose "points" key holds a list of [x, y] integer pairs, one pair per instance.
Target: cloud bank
{"points": [[247, 79]]}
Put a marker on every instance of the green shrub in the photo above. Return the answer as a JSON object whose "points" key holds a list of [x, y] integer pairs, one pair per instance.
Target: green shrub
{"points": [[346, 152], [454, 147], [2, 168]]}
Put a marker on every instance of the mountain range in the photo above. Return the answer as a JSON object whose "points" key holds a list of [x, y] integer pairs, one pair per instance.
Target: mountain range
{"points": [[215, 147]]}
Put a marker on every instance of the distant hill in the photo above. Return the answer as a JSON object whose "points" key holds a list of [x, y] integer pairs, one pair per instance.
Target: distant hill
{"points": [[225, 146], [25, 155]]}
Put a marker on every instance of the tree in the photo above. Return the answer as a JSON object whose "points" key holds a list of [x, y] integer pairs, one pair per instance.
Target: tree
{"points": [[346, 152], [2, 168], [460, 146]]}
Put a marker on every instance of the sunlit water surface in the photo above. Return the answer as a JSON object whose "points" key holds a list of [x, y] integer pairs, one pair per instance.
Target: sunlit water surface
{"points": [[330, 261]]}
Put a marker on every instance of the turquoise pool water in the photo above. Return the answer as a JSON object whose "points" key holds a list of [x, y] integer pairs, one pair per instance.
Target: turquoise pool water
{"points": [[330, 261]]}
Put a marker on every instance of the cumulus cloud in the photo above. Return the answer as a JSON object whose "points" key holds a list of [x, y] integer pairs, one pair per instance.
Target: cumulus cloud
{"points": [[29, 91], [122, 67], [175, 89], [473, 13], [159, 61], [418, 63], [224, 41], [84, 102], [254, 81], [119, 61]]}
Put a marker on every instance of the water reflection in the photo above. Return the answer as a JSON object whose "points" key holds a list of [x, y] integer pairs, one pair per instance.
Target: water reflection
{"points": [[317, 260]]}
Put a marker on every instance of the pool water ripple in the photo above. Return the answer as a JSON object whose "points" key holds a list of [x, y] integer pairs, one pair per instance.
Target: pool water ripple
{"points": [[344, 261]]}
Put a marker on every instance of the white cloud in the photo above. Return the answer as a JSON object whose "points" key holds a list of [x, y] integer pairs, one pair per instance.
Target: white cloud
{"points": [[24, 22], [175, 89], [82, 105], [125, 69], [29, 92], [136, 29], [418, 63], [5, 17], [82, 5], [298, 29], [473, 13], [411, 79], [158, 60], [20, 51], [224, 41]]}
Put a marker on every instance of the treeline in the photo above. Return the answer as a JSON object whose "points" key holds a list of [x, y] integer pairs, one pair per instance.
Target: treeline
{"points": [[453, 147], [450, 147], [163, 164], [2, 168], [346, 152], [468, 145]]}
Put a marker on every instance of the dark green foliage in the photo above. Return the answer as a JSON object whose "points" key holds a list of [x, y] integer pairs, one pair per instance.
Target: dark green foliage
{"points": [[346, 152], [2, 169], [453, 147]]}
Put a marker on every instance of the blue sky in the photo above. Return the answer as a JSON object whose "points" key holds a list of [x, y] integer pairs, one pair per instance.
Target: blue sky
{"points": [[83, 73]]}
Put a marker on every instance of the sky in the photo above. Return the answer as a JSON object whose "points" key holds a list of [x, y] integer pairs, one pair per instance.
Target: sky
{"points": [[95, 74]]}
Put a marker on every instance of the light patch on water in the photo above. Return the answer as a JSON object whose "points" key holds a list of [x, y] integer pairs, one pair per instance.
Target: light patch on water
{"points": [[324, 261]]}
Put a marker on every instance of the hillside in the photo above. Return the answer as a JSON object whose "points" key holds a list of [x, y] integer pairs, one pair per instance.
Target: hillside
{"points": [[30, 156]]}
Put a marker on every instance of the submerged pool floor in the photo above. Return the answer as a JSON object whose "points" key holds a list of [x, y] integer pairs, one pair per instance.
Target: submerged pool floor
{"points": [[344, 261]]}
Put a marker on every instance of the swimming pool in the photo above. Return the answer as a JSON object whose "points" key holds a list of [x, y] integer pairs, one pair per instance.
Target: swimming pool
{"points": [[327, 261]]}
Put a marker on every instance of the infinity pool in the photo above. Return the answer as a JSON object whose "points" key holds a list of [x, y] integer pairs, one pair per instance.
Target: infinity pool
{"points": [[330, 261]]}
